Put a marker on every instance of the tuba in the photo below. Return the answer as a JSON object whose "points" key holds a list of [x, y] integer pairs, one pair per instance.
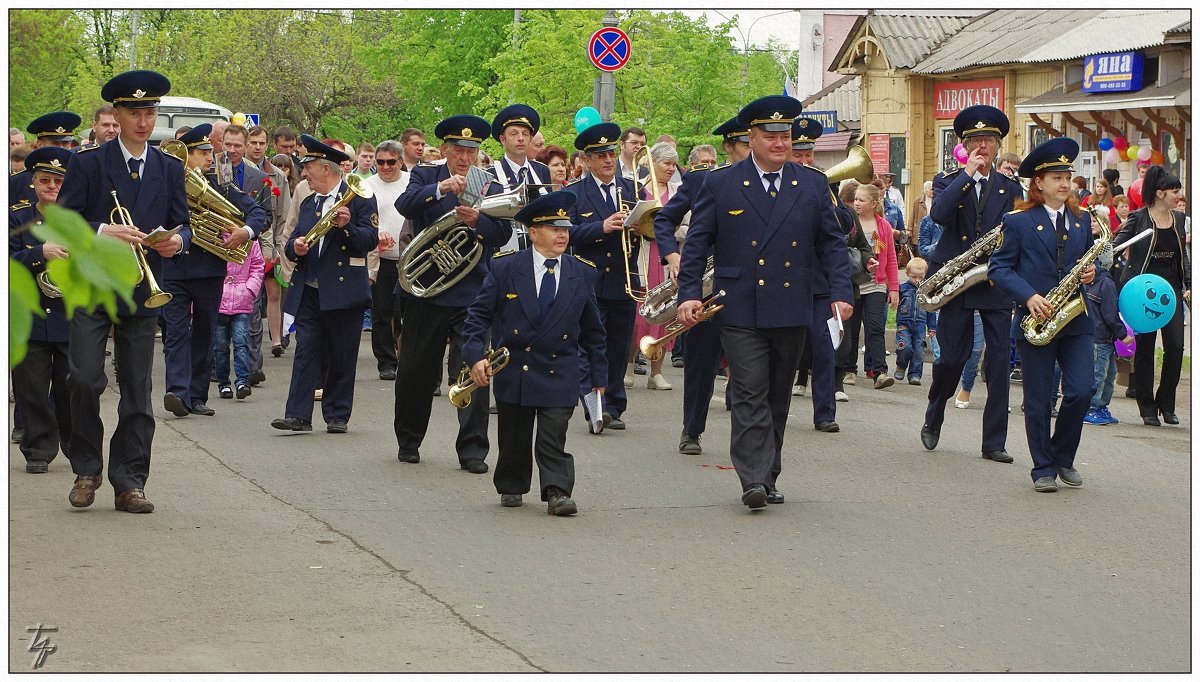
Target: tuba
{"points": [[856, 165], [464, 386], [210, 214], [358, 188], [452, 248], [661, 301], [960, 273], [1066, 298]]}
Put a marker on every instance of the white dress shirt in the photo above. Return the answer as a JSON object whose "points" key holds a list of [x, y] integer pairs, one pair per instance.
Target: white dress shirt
{"points": [[539, 271]]}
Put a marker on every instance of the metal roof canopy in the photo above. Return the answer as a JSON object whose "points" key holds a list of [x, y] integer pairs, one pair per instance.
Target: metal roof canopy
{"points": [[842, 96], [1031, 36], [1176, 93], [904, 37]]}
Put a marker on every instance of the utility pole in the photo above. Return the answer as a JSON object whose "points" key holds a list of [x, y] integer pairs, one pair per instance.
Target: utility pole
{"points": [[604, 94], [133, 39], [516, 38]]}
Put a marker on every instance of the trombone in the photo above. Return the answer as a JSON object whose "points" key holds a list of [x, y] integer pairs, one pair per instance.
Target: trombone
{"points": [[158, 297], [643, 228]]}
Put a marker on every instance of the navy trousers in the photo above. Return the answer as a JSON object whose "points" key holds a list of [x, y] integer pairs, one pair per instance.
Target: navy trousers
{"points": [[617, 318], [700, 364], [329, 338], [820, 346], [1073, 354], [190, 317], [955, 331]]}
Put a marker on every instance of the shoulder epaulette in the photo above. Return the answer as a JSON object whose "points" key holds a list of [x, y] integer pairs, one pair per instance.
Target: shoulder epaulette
{"points": [[14, 173], [1019, 210], [700, 167], [502, 254], [22, 204], [568, 184], [720, 167], [423, 164], [88, 149], [585, 261]]}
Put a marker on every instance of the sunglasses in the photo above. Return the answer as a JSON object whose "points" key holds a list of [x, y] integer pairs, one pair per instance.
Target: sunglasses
{"points": [[386, 162]]}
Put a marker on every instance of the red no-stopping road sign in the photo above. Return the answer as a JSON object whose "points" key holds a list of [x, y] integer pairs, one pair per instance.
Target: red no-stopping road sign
{"points": [[609, 49]]}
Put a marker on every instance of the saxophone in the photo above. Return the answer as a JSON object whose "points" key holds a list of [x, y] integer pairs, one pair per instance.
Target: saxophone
{"points": [[959, 274], [1066, 297]]}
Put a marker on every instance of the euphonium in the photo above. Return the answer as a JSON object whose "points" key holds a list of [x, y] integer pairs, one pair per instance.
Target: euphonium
{"points": [[210, 214], [654, 349], [157, 297], [959, 274], [464, 386], [326, 223], [1066, 298], [48, 289], [662, 301], [451, 247]]}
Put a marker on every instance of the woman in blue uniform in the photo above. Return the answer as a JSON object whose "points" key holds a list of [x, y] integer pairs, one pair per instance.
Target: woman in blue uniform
{"points": [[1043, 240]]}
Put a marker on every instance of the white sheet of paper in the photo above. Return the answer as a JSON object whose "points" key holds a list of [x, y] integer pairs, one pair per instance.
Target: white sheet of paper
{"points": [[836, 331], [160, 234], [594, 402]]}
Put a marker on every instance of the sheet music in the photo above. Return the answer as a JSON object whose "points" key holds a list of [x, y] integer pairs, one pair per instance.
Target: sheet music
{"points": [[836, 331], [594, 402], [477, 184]]}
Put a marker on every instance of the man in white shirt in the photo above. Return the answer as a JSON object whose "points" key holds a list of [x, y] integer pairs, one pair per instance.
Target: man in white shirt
{"points": [[514, 128], [382, 263]]}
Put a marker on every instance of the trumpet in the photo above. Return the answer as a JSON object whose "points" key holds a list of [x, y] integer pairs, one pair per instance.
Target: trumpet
{"points": [[464, 386], [654, 348], [325, 224], [644, 227], [157, 298]]}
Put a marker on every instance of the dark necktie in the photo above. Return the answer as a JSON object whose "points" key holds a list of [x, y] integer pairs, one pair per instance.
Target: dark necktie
{"points": [[238, 175], [523, 176], [982, 184], [546, 294], [608, 188], [771, 188], [1060, 229], [134, 166]]}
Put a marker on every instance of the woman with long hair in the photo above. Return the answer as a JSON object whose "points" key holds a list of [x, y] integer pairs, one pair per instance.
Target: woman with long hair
{"points": [[1102, 201], [1043, 240], [1165, 254], [665, 159], [883, 289]]}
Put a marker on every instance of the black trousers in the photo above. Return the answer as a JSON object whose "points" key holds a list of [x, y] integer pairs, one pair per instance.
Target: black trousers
{"points": [[419, 367], [1149, 402], [40, 388], [762, 363], [700, 365], [326, 356], [190, 318], [956, 334], [129, 448], [818, 348], [846, 355], [1074, 355], [520, 446], [383, 306], [255, 329]]}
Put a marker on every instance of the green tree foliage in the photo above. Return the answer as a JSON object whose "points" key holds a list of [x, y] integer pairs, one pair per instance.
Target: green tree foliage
{"points": [[44, 54]]}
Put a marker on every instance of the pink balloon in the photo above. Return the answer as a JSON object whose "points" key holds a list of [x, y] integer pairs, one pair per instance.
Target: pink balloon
{"points": [[1112, 156], [1144, 153], [960, 153]]}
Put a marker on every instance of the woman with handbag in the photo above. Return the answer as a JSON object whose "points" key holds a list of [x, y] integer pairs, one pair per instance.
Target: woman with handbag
{"points": [[1166, 255]]}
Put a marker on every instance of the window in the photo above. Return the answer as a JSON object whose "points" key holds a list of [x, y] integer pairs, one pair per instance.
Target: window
{"points": [[949, 140], [1035, 137]]}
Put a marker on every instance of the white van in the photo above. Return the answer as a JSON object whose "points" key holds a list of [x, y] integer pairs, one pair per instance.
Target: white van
{"points": [[174, 112]]}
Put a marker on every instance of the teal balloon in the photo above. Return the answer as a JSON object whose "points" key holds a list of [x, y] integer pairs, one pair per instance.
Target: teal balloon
{"points": [[586, 118], [1147, 303]]}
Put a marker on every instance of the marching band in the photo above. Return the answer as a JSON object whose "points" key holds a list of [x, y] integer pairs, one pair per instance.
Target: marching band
{"points": [[533, 287]]}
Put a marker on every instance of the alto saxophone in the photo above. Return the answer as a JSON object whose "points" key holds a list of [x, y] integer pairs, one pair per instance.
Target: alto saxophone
{"points": [[1066, 298], [959, 273]]}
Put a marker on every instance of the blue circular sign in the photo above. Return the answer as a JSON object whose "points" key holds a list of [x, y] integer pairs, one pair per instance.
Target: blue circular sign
{"points": [[609, 49]]}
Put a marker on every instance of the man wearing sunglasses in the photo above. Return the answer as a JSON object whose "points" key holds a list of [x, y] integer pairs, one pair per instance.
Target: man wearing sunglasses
{"points": [[382, 264]]}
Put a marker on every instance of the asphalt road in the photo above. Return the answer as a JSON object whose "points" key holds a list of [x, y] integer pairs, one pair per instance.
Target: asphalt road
{"points": [[316, 552]]}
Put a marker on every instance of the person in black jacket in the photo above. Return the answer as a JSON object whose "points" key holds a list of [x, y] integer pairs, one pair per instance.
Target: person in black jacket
{"points": [[1102, 308], [1165, 254]]}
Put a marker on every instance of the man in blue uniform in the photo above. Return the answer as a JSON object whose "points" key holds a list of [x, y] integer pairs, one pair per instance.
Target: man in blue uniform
{"points": [[150, 187], [43, 372], [969, 203], [540, 305], [56, 129], [195, 282], [703, 355], [328, 293], [433, 192], [598, 216], [514, 128], [770, 224], [1041, 245]]}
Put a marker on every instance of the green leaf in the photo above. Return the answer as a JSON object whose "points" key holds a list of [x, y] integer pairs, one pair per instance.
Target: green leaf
{"points": [[23, 304], [99, 270]]}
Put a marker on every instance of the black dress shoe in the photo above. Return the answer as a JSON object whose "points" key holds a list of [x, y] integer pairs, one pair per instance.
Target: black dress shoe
{"points": [[510, 500], [615, 424], [755, 496], [18, 435], [277, 350], [476, 466], [292, 424], [827, 427], [774, 496], [1170, 418], [175, 405], [36, 466], [388, 375], [998, 456], [929, 436], [202, 409], [335, 426], [1152, 420], [689, 444], [409, 457], [257, 377]]}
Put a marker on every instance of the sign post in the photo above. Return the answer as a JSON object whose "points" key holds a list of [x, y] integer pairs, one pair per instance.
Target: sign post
{"points": [[609, 50]]}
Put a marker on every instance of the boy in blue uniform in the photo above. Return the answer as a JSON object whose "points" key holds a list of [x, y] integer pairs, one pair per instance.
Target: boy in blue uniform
{"points": [[539, 304], [1043, 241]]}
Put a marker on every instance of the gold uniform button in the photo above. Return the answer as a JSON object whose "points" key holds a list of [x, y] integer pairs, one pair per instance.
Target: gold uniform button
{"points": [[339, 264], [753, 242], [564, 336], [515, 332], [524, 368], [608, 269], [552, 371], [341, 279], [528, 349], [793, 243], [787, 284], [47, 309], [761, 282], [787, 263], [343, 248], [761, 261], [553, 355], [964, 238], [609, 255]]}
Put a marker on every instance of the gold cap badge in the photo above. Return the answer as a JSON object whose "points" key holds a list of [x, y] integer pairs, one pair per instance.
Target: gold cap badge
{"points": [[139, 93], [466, 132], [980, 124], [776, 116], [59, 130], [55, 162], [603, 140], [562, 213]]}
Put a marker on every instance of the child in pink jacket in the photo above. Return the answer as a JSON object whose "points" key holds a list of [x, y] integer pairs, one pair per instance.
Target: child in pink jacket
{"points": [[242, 284]]}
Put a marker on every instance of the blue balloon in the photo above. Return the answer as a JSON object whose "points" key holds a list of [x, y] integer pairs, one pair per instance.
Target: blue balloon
{"points": [[1147, 303], [586, 118], [1105, 144]]}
